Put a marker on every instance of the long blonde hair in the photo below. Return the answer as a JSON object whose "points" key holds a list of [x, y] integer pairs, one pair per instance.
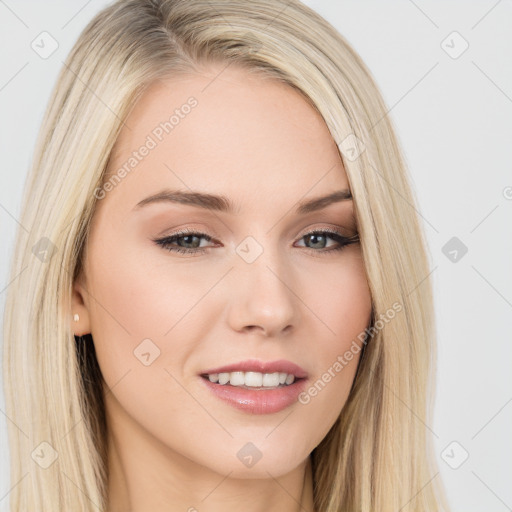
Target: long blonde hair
{"points": [[378, 454]]}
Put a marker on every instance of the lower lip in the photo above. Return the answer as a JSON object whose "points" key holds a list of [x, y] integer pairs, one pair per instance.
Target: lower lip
{"points": [[257, 401]]}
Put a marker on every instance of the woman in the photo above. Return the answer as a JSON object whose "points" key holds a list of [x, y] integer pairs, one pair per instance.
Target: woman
{"points": [[226, 288]]}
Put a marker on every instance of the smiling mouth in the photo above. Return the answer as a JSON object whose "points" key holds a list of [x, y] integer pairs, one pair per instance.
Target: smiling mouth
{"points": [[253, 392], [252, 380]]}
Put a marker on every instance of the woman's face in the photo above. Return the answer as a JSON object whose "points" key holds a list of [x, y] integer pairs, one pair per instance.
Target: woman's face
{"points": [[252, 282]]}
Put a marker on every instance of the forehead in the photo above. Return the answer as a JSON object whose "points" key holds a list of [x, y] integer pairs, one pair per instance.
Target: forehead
{"points": [[226, 131]]}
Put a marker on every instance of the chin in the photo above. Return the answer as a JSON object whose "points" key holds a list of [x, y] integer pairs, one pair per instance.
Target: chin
{"points": [[249, 461]]}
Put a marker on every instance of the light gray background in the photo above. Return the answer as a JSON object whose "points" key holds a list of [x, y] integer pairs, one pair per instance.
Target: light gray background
{"points": [[454, 120]]}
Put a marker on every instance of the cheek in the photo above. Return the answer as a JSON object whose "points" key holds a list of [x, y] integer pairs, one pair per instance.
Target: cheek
{"points": [[147, 319], [342, 306], [340, 298], [135, 298], [132, 310]]}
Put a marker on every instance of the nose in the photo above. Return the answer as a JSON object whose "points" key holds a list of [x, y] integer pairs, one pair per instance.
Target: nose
{"points": [[262, 298]]}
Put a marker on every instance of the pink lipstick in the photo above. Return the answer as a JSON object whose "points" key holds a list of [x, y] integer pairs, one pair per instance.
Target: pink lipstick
{"points": [[257, 387]]}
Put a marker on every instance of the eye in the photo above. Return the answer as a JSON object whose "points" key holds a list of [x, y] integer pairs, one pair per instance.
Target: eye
{"points": [[318, 239], [189, 242]]}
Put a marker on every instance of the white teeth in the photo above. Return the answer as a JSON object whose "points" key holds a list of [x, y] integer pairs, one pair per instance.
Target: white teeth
{"points": [[223, 378], [252, 379], [237, 379], [271, 379]]}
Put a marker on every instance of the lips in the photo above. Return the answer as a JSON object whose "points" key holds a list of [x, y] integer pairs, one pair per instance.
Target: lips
{"points": [[253, 365]]}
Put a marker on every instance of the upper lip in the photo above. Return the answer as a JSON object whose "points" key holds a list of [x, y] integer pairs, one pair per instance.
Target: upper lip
{"points": [[254, 365]]}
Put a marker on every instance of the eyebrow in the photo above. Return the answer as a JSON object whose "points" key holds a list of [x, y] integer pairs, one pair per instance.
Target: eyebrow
{"points": [[223, 204]]}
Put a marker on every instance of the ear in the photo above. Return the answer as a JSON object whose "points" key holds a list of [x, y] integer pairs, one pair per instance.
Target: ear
{"points": [[79, 306]]}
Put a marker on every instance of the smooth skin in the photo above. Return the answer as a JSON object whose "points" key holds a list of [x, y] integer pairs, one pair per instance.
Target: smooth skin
{"points": [[172, 444]]}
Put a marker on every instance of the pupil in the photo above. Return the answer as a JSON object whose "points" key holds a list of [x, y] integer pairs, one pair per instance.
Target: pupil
{"points": [[185, 237], [313, 237]]}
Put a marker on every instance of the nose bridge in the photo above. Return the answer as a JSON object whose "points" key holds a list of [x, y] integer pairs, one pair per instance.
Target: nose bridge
{"points": [[263, 295]]}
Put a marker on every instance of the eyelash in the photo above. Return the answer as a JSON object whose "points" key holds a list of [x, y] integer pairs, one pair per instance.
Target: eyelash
{"points": [[165, 242]]}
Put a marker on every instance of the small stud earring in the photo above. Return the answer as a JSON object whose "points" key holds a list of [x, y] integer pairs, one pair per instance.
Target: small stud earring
{"points": [[76, 317]]}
